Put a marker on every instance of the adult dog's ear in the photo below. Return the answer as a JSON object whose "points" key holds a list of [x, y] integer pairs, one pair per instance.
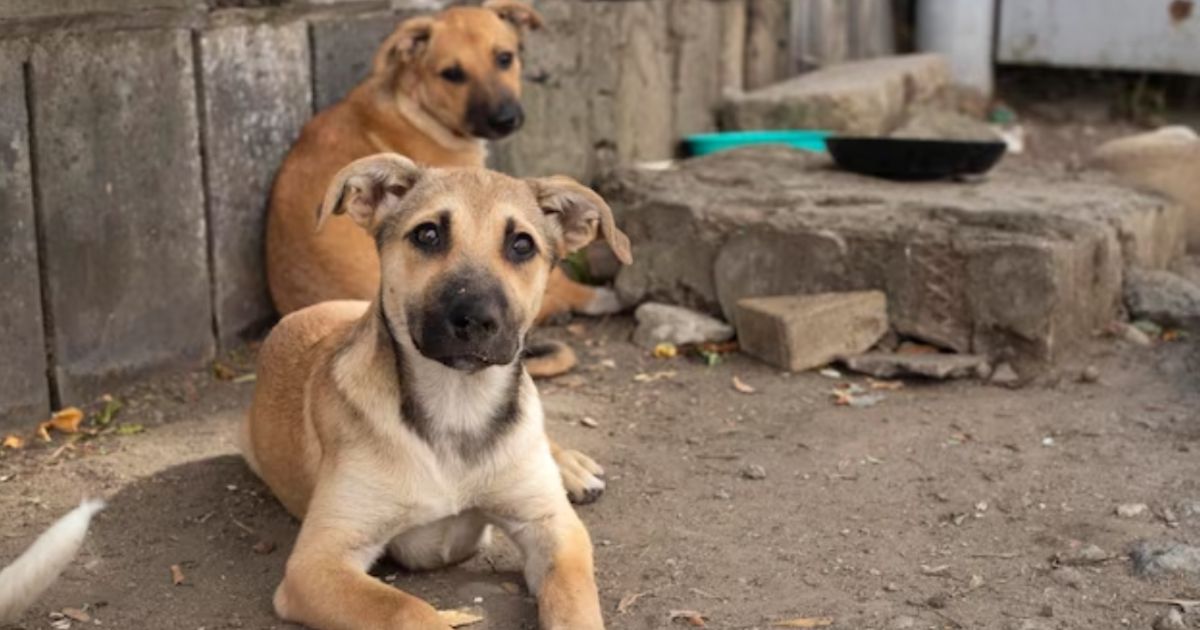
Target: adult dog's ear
{"points": [[404, 45], [517, 13], [367, 186], [579, 213]]}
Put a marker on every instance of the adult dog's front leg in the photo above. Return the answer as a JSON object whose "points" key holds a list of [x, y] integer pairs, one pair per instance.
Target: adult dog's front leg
{"points": [[558, 569]]}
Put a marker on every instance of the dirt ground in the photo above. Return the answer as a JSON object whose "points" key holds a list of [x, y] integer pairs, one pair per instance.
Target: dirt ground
{"points": [[943, 506], [940, 507]]}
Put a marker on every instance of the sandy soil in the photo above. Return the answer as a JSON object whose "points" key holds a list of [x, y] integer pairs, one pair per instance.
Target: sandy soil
{"points": [[941, 506]]}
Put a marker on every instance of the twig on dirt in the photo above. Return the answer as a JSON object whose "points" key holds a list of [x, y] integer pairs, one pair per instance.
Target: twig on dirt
{"points": [[242, 525], [704, 593], [1182, 603], [1007, 555], [954, 622]]}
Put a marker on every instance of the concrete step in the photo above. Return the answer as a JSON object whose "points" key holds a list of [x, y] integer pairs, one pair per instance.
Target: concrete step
{"points": [[1015, 266]]}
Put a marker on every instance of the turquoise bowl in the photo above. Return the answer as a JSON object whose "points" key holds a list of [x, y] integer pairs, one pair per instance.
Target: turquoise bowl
{"points": [[804, 139]]}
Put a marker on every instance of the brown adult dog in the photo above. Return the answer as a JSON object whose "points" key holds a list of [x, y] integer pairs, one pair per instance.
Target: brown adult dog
{"points": [[440, 85], [408, 424]]}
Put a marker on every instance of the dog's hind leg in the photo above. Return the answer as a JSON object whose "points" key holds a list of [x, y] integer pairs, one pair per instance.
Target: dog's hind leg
{"points": [[443, 543], [582, 477], [564, 295]]}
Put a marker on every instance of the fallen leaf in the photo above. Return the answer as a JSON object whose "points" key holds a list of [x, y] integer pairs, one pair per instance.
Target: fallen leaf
{"points": [[246, 378], [691, 617], [77, 615], [710, 358], [643, 377], [43, 431], [885, 385], [111, 407], [223, 372], [177, 576], [628, 601], [589, 422], [67, 420], [665, 351], [14, 442], [459, 618], [742, 387], [130, 428], [804, 622]]}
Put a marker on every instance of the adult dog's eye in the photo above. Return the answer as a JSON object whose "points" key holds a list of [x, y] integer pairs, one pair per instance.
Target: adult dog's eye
{"points": [[427, 236], [454, 74], [504, 60], [521, 248]]}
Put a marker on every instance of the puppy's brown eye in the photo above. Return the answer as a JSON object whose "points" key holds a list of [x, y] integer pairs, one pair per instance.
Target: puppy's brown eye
{"points": [[454, 74], [504, 60], [521, 248], [427, 236]]}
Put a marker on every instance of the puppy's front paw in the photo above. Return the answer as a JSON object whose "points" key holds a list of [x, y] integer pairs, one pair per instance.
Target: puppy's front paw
{"points": [[582, 477]]}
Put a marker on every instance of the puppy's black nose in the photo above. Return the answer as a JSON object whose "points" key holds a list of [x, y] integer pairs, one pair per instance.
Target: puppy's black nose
{"points": [[506, 118], [473, 320]]}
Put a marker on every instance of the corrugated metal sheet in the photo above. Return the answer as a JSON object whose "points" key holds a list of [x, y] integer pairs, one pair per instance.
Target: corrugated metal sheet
{"points": [[1155, 35]]}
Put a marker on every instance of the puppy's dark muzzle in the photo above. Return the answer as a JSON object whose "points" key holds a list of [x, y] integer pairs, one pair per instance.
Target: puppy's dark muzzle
{"points": [[468, 330]]}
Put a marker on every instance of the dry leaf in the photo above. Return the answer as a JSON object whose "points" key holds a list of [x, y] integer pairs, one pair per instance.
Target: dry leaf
{"points": [[628, 601], [223, 372], [77, 615], [589, 422], [14, 442], [742, 387], [665, 351], [459, 618], [177, 576], [643, 377], [691, 617], [43, 431], [246, 378], [64, 421], [804, 622]]}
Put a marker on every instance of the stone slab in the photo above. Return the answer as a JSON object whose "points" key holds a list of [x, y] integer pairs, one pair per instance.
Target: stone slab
{"points": [[27, 9], [696, 35], [802, 332], [1017, 264], [24, 391], [767, 54], [868, 97], [1163, 297], [121, 207], [342, 50], [931, 365], [256, 98]]}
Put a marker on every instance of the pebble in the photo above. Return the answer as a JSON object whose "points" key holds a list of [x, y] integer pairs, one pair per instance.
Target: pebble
{"points": [[1089, 554], [1090, 374], [1068, 576], [1157, 558], [1005, 376], [1136, 337], [753, 471], [1132, 510], [1170, 620]]}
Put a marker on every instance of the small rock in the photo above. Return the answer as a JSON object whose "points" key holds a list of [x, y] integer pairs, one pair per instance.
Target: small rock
{"points": [[938, 601], [891, 587], [1133, 335], [1088, 554], [722, 494], [937, 365], [1170, 620], [664, 323], [589, 422], [1162, 297], [1005, 376], [1157, 558], [1090, 374], [1068, 576], [1132, 510], [753, 471]]}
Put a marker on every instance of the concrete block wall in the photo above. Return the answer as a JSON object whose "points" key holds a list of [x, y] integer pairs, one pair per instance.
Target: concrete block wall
{"points": [[139, 140]]}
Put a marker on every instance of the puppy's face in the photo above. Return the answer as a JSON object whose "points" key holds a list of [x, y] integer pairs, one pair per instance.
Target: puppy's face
{"points": [[462, 66], [465, 253]]}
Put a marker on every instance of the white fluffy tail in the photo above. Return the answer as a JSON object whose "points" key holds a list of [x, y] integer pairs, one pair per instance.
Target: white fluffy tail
{"points": [[23, 581]]}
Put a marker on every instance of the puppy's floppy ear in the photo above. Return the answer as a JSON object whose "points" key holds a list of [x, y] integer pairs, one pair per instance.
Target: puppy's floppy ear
{"points": [[404, 44], [580, 213], [368, 185], [515, 12]]}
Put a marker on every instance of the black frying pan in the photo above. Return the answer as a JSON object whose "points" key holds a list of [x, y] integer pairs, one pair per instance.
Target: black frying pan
{"points": [[902, 158]]}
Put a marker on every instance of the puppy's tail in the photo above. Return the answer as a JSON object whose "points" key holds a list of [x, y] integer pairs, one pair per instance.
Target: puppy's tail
{"points": [[23, 581], [547, 359]]}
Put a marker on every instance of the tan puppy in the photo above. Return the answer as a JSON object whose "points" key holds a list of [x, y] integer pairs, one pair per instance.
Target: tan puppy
{"points": [[408, 423], [440, 85]]}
